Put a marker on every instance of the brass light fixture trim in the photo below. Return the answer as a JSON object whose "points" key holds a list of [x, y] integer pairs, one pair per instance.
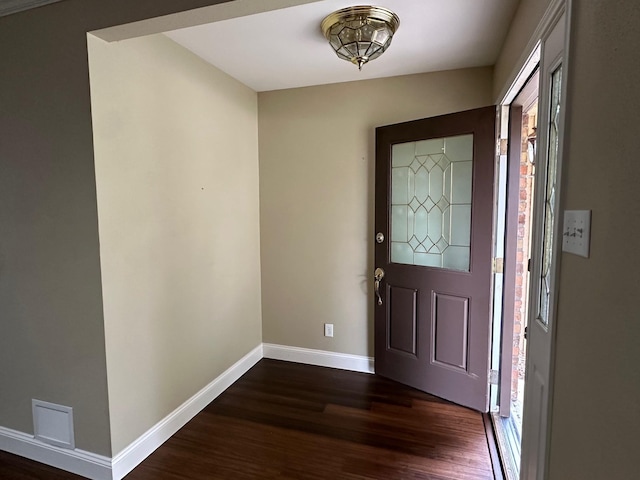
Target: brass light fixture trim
{"points": [[360, 34]]}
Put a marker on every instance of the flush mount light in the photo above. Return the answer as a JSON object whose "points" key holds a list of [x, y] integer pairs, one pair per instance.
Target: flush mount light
{"points": [[360, 34]]}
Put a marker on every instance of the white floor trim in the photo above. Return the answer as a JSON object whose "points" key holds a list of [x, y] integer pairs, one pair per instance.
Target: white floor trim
{"points": [[75, 461], [98, 467], [134, 454], [322, 358]]}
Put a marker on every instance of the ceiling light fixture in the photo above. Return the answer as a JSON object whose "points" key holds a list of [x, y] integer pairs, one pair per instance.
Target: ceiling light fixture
{"points": [[360, 34]]}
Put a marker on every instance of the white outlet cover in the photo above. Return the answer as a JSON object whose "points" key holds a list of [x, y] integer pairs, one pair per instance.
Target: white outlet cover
{"points": [[328, 329], [576, 232]]}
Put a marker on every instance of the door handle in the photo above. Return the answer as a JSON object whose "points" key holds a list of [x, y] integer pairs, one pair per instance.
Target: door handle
{"points": [[378, 275]]}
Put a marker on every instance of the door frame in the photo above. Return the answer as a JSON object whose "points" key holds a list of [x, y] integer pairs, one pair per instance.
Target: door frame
{"points": [[529, 62], [508, 211]]}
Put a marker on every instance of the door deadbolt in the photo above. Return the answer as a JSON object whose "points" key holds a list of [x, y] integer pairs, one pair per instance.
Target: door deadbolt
{"points": [[379, 237]]}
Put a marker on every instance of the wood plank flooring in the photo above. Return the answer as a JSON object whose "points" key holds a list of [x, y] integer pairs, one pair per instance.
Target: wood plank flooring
{"points": [[290, 421]]}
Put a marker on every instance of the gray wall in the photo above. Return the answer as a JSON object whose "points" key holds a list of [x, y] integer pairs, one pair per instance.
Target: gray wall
{"points": [[596, 406], [514, 50], [52, 343]]}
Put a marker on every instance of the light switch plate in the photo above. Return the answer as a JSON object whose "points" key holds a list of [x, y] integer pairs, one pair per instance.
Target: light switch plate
{"points": [[576, 232]]}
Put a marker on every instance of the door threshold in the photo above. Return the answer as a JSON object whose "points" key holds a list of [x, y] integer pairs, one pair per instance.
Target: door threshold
{"points": [[494, 452], [508, 442]]}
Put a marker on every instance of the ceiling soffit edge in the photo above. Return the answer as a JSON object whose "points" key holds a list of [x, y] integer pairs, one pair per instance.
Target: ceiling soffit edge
{"points": [[9, 7]]}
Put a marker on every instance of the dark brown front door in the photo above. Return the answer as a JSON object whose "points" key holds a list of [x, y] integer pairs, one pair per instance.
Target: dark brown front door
{"points": [[434, 204]]}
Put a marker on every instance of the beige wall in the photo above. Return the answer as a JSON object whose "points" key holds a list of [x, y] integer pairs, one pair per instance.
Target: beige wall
{"points": [[517, 45], [596, 406], [176, 153], [316, 198], [51, 320]]}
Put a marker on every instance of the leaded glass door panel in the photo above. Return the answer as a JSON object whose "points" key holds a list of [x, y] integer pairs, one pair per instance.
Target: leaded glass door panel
{"points": [[431, 202], [434, 200]]}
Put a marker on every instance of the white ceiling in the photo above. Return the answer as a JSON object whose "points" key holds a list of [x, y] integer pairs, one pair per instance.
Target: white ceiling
{"points": [[285, 48]]}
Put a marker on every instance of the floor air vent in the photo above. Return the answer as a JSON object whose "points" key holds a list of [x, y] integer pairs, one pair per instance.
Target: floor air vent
{"points": [[53, 424]]}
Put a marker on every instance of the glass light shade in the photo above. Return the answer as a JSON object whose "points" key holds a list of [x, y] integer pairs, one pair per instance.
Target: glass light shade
{"points": [[360, 34]]}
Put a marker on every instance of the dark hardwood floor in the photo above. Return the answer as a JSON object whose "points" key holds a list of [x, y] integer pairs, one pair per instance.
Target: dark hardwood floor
{"points": [[13, 467], [290, 421]]}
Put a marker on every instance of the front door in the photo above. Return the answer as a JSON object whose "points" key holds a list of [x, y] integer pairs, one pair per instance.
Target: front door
{"points": [[434, 209]]}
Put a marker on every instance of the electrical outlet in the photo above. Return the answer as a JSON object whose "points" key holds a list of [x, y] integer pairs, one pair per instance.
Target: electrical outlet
{"points": [[328, 329]]}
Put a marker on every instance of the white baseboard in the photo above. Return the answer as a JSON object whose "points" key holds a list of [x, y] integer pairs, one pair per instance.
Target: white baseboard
{"points": [[98, 467], [76, 461], [134, 454], [322, 358]]}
